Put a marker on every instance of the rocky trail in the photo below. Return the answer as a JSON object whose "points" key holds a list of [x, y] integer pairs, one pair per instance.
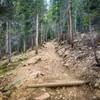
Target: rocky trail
{"points": [[44, 77]]}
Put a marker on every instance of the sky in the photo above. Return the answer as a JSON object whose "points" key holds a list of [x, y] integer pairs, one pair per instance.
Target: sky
{"points": [[48, 2]]}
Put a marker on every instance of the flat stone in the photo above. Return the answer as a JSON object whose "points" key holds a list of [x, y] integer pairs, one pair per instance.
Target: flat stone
{"points": [[45, 96]]}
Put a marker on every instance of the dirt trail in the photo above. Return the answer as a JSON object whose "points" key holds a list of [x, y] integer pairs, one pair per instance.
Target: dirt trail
{"points": [[45, 67], [49, 67]]}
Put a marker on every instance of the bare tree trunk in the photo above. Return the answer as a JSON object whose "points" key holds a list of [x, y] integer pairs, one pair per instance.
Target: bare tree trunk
{"points": [[41, 39], [46, 36], [52, 85], [41, 33], [60, 24], [7, 37], [32, 41], [75, 21], [10, 50], [70, 24], [43, 36], [24, 44], [37, 33], [8, 42], [18, 46], [57, 30], [0, 54]]}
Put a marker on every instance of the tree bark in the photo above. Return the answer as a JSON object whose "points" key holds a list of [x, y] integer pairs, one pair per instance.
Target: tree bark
{"points": [[32, 41], [8, 42], [10, 50], [75, 21], [51, 85], [24, 45], [7, 37], [70, 24], [46, 34], [41, 34], [37, 33], [18, 46]]}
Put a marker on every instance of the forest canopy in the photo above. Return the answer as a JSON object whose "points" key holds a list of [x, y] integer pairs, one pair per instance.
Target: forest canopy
{"points": [[27, 23]]}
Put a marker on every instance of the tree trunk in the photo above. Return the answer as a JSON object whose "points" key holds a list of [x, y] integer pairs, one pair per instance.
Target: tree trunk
{"points": [[53, 85], [60, 24], [75, 21], [18, 46], [70, 24], [37, 33], [46, 34], [32, 41], [7, 37], [41, 34], [8, 42], [24, 45], [57, 30], [0, 54], [10, 50]]}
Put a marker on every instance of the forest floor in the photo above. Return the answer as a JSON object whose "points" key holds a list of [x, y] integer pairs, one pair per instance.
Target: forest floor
{"points": [[46, 67]]}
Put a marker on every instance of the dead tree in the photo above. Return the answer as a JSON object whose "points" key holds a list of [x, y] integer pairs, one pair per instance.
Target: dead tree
{"points": [[70, 26], [37, 33], [8, 42]]}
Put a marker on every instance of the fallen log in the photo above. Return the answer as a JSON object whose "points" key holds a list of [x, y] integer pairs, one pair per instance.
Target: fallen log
{"points": [[51, 85]]}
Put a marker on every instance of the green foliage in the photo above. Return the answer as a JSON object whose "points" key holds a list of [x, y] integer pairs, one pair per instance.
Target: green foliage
{"points": [[22, 16], [85, 22]]}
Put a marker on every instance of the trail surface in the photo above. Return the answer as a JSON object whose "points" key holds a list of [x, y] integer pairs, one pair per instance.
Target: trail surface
{"points": [[46, 67]]}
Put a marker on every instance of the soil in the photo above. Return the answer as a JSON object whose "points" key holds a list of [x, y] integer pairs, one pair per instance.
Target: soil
{"points": [[46, 67]]}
